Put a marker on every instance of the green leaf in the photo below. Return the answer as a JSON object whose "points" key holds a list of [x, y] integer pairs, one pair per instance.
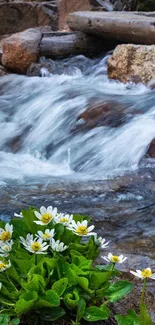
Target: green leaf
{"points": [[37, 284], [84, 284], [94, 313], [26, 302], [144, 315], [81, 309], [71, 299], [4, 319], [98, 278], [15, 321], [60, 286], [29, 218], [130, 319], [49, 299], [79, 217], [118, 290], [19, 228], [51, 314]]}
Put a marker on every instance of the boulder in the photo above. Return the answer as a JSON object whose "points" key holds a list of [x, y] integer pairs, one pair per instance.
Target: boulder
{"points": [[18, 16], [20, 50], [111, 114], [134, 63], [123, 27], [151, 150]]}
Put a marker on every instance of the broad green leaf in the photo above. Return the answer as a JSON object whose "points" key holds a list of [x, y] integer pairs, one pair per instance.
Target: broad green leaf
{"points": [[60, 286], [130, 319], [118, 290], [26, 302], [81, 308], [98, 278], [15, 321], [71, 299], [36, 284], [101, 292], [144, 315], [4, 319], [94, 313], [107, 268], [51, 314], [49, 299], [84, 284], [79, 217], [19, 228], [29, 218]]}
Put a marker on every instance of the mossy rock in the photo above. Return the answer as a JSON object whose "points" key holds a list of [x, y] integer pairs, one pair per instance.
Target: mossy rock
{"points": [[146, 5]]}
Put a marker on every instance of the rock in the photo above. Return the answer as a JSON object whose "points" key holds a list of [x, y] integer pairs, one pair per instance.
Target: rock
{"points": [[127, 5], [132, 63], [62, 44], [18, 16], [123, 26], [20, 50], [67, 6], [109, 114], [151, 150], [3, 72], [151, 84]]}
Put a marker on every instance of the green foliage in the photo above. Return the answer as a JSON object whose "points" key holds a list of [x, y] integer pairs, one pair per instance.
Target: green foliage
{"points": [[130, 319], [44, 287]]}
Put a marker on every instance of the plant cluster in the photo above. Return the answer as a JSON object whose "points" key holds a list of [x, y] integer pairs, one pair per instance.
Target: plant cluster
{"points": [[47, 272]]}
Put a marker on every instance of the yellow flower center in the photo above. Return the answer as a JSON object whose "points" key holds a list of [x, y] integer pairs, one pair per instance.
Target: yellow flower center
{"points": [[3, 265], [63, 220], [46, 218], [6, 248], [46, 236], [5, 235], [82, 230], [115, 259], [146, 273], [36, 246]]}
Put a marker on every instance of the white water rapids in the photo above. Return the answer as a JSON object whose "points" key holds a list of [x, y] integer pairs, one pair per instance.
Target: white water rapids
{"points": [[37, 116]]}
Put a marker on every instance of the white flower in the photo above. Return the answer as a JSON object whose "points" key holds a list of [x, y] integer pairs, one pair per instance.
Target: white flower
{"points": [[6, 234], [0, 285], [57, 246], [146, 273], [101, 242], [65, 219], [47, 235], [4, 265], [114, 258], [46, 215], [35, 245], [6, 248], [20, 215], [81, 228]]}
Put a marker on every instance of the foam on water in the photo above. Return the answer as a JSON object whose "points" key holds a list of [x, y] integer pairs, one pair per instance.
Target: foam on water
{"points": [[37, 116]]}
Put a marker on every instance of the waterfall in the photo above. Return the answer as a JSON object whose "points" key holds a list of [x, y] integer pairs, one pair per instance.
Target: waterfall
{"points": [[38, 116]]}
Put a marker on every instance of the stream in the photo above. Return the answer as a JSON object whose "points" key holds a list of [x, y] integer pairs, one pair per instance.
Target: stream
{"points": [[48, 158]]}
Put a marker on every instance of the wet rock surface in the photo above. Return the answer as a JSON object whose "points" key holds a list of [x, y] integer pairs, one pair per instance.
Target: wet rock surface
{"points": [[132, 63], [151, 150], [20, 50]]}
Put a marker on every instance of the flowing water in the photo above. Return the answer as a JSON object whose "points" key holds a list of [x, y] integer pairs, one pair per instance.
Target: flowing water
{"points": [[100, 171]]}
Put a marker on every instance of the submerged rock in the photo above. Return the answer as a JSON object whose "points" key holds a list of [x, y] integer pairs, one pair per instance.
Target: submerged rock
{"points": [[151, 150], [20, 50], [101, 114], [131, 62]]}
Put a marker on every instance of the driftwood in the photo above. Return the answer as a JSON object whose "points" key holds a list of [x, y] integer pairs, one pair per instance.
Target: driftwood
{"points": [[61, 44]]}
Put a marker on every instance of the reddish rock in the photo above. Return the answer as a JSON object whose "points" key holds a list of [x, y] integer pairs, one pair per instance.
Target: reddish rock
{"points": [[101, 114], [20, 50], [151, 150]]}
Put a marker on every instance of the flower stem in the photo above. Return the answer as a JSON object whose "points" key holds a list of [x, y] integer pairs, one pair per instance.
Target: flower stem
{"points": [[36, 259], [143, 292]]}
